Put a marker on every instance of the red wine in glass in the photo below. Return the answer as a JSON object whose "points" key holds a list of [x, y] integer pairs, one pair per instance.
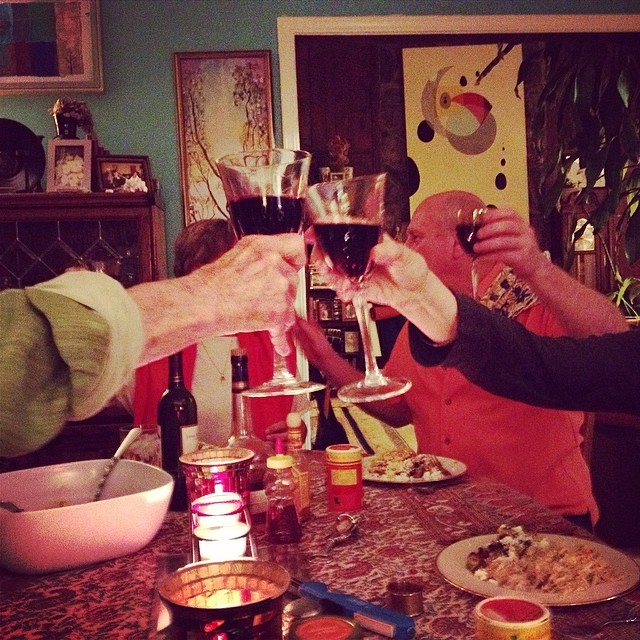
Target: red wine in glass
{"points": [[347, 217], [266, 215], [467, 236], [348, 246], [468, 222], [265, 192]]}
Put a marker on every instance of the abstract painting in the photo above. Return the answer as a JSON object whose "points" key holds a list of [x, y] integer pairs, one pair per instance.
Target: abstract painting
{"points": [[48, 45], [463, 135]]}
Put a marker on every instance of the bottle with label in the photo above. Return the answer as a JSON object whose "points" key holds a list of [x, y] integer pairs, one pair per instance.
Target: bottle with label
{"points": [[344, 477], [302, 494], [178, 427], [242, 434], [283, 526]]}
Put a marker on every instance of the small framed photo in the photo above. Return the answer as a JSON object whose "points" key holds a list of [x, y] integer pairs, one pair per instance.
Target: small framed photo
{"points": [[325, 309], [348, 311], [69, 165], [124, 174], [351, 341]]}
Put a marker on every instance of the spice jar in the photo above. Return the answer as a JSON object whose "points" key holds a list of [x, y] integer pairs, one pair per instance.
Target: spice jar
{"points": [[283, 526], [344, 477]]}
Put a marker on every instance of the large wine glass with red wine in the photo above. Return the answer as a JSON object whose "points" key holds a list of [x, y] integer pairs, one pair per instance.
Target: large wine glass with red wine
{"points": [[468, 221], [265, 191], [347, 218]]}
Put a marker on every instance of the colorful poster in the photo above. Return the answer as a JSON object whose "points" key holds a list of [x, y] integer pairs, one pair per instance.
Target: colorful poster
{"points": [[463, 135]]}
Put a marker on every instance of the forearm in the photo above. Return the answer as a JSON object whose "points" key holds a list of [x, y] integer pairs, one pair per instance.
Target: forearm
{"points": [[433, 309], [580, 310], [594, 374], [171, 318]]}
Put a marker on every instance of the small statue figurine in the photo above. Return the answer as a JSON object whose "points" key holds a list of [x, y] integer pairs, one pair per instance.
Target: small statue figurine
{"points": [[338, 148], [338, 169]]}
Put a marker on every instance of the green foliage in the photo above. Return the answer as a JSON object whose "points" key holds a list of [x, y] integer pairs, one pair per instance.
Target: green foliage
{"points": [[627, 295], [589, 110]]}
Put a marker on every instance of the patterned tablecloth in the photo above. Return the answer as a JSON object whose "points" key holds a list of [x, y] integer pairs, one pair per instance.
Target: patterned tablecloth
{"points": [[401, 533]]}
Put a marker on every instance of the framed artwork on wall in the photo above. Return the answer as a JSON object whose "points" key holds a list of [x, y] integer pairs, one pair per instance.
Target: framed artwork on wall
{"points": [[48, 46], [69, 165], [123, 174], [223, 102]]}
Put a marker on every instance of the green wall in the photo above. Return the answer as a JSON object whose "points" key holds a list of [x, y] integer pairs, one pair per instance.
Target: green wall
{"points": [[136, 113]]}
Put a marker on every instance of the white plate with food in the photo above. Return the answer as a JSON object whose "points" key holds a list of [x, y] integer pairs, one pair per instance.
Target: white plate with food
{"points": [[552, 569], [402, 467]]}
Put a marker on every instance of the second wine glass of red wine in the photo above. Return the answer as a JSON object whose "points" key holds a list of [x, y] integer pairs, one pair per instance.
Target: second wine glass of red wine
{"points": [[468, 221], [348, 217]]}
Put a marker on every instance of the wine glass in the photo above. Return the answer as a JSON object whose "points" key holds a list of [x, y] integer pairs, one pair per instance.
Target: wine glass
{"points": [[265, 191], [468, 221], [347, 217]]}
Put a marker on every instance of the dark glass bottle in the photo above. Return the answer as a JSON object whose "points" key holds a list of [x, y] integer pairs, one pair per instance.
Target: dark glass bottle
{"points": [[178, 424], [242, 433]]}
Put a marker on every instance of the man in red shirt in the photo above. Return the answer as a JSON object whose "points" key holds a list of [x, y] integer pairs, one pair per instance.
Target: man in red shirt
{"points": [[533, 449]]}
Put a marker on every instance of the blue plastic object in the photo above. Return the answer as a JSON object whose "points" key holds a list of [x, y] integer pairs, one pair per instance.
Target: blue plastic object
{"points": [[370, 616]]}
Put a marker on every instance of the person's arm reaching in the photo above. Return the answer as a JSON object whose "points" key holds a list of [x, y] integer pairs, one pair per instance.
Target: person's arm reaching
{"points": [[70, 343], [250, 288], [598, 373]]}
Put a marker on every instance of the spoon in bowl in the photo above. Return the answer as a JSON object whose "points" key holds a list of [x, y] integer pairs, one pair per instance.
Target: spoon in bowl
{"points": [[108, 468]]}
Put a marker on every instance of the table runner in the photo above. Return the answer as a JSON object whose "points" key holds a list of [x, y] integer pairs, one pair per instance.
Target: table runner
{"points": [[401, 533]]}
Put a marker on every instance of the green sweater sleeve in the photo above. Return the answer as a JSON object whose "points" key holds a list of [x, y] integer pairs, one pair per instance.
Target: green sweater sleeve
{"points": [[51, 349]]}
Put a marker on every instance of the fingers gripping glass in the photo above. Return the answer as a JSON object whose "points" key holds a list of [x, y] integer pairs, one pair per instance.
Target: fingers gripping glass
{"points": [[265, 192], [347, 216]]}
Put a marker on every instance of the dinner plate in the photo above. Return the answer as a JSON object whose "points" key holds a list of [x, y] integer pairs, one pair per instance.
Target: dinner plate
{"points": [[454, 467], [451, 564]]}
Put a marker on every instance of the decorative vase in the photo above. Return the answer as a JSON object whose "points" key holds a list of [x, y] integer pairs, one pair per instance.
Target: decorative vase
{"points": [[66, 126]]}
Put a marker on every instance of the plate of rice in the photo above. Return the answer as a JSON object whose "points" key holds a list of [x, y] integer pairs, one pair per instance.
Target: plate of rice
{"points": [[552, 569], [406, 467]]}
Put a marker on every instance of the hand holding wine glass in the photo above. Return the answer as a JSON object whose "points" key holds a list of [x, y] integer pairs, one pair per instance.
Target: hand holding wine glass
{"points": [[265, 192], [347, 218]]}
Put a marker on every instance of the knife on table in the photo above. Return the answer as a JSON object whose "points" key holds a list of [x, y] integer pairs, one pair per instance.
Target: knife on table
{"points": [[366, 447]]}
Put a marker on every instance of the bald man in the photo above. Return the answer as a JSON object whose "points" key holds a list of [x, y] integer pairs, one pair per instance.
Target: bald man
{"points": [[533, 449]]}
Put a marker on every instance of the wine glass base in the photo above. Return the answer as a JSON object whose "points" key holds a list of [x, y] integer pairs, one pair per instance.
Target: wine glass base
{"points": [[359, 392], [283, 388]]}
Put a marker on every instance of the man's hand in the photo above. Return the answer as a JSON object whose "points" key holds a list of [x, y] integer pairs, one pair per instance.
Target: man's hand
{"points": [[505, 236]]}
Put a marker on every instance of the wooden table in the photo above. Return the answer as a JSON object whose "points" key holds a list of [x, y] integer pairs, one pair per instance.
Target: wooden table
{"points": [[402, 531]]}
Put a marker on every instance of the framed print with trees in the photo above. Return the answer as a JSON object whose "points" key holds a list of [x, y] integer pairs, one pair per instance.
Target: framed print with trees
{"points": [[223, 102]]}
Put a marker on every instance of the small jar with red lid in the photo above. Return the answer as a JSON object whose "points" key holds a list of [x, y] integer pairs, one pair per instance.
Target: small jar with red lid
{"points": [[344, 477]]}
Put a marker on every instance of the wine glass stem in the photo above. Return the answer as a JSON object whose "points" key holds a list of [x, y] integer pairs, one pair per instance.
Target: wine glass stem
{"points": [[474, 279], [280, 371], [372, 376]]}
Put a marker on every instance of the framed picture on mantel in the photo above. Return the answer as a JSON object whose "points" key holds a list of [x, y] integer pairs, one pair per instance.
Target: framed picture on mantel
{"points": [[69, 165], [224, 105], [50, 46], [124, 174]]}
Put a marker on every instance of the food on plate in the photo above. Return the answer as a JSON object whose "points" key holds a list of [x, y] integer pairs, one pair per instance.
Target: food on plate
{"points": [[530, 562], [403, 466]]}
